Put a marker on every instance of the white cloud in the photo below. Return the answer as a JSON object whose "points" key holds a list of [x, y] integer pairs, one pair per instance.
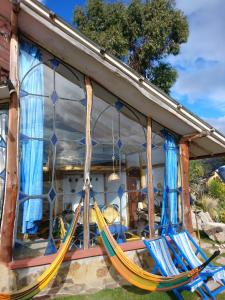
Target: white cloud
{"points": [[42, 1], [206, 23], [218, 123], [200, 84], [206, 41]]}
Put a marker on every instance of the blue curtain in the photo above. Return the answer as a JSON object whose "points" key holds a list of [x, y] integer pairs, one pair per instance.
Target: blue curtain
{"points": [[31, 130], [170, 191]]}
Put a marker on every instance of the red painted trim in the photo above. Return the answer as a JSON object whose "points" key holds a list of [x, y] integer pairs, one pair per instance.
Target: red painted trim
{"points": [[77, 254]]}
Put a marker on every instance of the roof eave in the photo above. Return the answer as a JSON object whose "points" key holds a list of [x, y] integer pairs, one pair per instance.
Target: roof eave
{"points": [[161, 98]]}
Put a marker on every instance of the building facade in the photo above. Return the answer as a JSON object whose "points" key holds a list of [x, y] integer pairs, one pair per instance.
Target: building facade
{"points": [[73, 118]]}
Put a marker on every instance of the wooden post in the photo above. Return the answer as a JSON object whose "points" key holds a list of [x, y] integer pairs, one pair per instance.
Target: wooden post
{"points": [[87, 167], [151, 208], [11, 183], [184, 164]]}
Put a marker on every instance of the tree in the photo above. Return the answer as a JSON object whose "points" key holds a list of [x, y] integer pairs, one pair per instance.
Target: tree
{"points": [[142, 34]]}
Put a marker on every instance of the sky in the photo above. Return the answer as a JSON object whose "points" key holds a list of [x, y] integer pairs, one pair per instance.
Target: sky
{"points": [[201, 62]]}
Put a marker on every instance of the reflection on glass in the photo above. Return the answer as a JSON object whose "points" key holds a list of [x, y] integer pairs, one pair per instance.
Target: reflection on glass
{"points": [[52, 150], [3, 149], [119, 154], [158, 167]]}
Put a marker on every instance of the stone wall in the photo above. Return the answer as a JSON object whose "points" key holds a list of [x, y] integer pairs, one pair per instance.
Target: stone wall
{"points": [[81, 276], [7, 279]]}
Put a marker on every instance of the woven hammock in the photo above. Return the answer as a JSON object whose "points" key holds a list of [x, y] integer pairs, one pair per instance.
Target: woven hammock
{"points": [[43, 280], [135, 274]]}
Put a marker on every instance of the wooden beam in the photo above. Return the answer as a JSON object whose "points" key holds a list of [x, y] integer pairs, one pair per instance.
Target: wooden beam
{"points": [[208, 156], [194, 136], [94, 169], [151, 208], [11, 184], [87, 166], [184, 165], [161, 165]]}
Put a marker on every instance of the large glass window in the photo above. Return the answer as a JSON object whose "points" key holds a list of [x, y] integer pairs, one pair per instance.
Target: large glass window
{"points": [[3, 149], [118, 171], [52, 156], [52, 150]]}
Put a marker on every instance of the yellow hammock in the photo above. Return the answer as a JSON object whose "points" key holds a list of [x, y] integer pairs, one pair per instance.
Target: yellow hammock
{"points": [[132, 272], [43, 280]]}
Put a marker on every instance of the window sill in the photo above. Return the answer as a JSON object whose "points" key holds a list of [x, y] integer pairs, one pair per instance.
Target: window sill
{"points": [[73, 255]]}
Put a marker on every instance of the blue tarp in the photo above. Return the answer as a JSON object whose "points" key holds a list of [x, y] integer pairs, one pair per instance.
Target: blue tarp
{"points": [[31, 126], [169, 201], [221, 172]]}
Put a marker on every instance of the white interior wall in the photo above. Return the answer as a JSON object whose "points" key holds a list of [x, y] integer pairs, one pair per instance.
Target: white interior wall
{"points": [[73, 184], [158, 176]]}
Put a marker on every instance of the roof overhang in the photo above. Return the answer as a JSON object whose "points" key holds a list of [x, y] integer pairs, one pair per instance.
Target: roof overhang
{"points": [[53, 34]]}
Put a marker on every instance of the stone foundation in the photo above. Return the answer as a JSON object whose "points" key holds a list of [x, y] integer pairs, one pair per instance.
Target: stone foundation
{"points": [[87, 275], [7, 279]]}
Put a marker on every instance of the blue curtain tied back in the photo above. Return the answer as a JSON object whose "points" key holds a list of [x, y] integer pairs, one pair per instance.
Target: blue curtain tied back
{"points": [[170, 191], [32, 122]]}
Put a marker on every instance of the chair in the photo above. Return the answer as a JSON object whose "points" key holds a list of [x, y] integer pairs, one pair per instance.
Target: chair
{"points": [[159, 249], [189, 249]]}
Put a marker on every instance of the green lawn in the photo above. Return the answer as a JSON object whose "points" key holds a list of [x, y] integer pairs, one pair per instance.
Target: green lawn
{"points": [[131, 293]]}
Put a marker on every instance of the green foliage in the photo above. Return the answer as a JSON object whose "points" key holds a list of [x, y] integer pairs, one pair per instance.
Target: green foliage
{"points": [[163, 76], [141, 34], [196, 171], [217, 190]]}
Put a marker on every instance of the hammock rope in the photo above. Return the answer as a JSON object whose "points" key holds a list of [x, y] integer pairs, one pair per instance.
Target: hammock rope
{"points": [[44, 279], [135, 274]]}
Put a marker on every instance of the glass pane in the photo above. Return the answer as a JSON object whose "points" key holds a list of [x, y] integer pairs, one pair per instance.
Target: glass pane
{"points": [[3, 151], [70, 156], [70, 120], [32, 73], [105, 121], [69, 83], [36, 119], [32, 245], [119, 171], [158, 169], [41, 173], [52, 147]]}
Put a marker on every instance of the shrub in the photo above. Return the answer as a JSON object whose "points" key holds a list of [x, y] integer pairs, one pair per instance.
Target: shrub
{"points": [[210, 205], [196, 171], [217, 189]]}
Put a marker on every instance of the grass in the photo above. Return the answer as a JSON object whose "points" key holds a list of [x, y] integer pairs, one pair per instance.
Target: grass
{"points": [[205, 239], [132, 293]]}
